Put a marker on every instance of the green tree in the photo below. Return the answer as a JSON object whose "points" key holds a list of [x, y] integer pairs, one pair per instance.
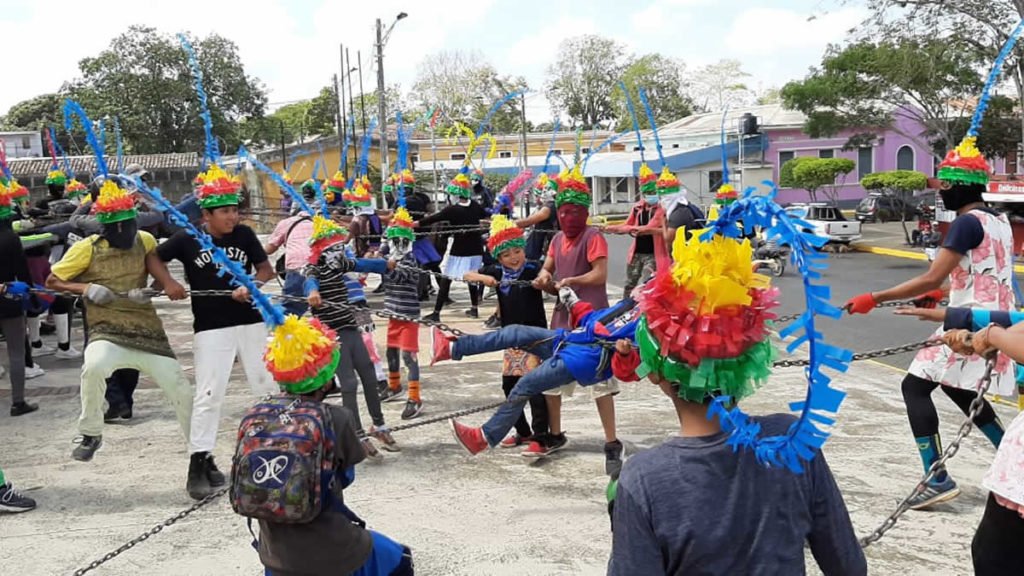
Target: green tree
{"points": [[464, 86], [865, 86], [662, 78], [816, 174], [899, 184], [35, 113], [999, 133], [580, 79], [143, 78]]}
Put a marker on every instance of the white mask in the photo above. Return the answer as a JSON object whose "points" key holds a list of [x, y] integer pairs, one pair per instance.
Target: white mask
{"points": [[399, 247]]}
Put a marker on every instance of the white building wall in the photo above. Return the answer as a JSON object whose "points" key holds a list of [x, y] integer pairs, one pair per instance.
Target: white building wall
{"points": [[22, 144]]}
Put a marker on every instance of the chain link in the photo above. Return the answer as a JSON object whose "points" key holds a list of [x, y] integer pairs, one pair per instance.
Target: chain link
{"points": [[965, 428]]}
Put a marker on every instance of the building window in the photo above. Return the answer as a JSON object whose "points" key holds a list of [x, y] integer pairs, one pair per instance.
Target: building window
{"points": [[675, 145], [865, 161], [504, 154], [1011, 163], [827, 153], [26, 142], [414, 158], [585, 150], [636, 148], [556, 152], [905, 158], [786, 156], [457, 156], [714, 180]]}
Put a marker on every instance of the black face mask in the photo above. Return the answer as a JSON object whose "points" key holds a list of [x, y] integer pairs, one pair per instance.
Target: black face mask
{"points": [[959, 196], [121, 235]]}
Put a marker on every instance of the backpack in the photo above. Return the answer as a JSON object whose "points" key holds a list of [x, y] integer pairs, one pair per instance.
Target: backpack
{"points": [[284, 461]]}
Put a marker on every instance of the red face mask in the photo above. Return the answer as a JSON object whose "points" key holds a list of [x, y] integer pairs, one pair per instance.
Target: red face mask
{"points": [[572, 219]]}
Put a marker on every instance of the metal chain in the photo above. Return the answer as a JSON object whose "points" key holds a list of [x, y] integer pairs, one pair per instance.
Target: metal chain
{"points": [[151, 532], [525, 283], [965, 428], [870, 355]]}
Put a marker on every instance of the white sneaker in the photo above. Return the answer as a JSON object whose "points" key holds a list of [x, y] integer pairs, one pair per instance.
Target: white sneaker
{"points": [[44, 350], [33, 371], [70, 354]]}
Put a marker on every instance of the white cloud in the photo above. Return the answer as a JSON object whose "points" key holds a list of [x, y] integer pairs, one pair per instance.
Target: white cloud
{"points": [[765, 31]]}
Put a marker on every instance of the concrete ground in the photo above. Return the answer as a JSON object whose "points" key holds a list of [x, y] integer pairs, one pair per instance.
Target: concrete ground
{"points": [[494, 514]]}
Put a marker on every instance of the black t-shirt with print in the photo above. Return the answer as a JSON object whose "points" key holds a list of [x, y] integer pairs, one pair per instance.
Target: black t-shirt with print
{"points": [[522, 304], [213, 312]]}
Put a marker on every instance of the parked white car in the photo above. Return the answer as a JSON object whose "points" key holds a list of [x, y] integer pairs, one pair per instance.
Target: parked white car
{"points": [[828, 221]]}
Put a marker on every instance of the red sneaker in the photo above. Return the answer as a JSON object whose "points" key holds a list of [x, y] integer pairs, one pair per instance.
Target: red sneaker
{"points": [[515, 441], [440, 346], [472, 439]]}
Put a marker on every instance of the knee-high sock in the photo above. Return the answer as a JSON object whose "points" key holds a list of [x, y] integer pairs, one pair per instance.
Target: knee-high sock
{"points": [[930, 448], [33, 329], [63, 323]]}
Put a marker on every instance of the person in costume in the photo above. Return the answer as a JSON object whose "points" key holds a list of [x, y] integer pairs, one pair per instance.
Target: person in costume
{"points": [[522, 305], [679, 212], [646, 223], [763, 515], [11, 501], [544, 220], [366, 229], [467, 215], [13, 268], [577, 258], [975, 264], [326, 284], [419, 206], [578, 353], [224, 328], [124, 332], [482, 195], [293, 233], [401, 297]]}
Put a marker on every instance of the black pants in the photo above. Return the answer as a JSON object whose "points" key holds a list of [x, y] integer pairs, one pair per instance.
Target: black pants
{"points": [[424, 285], [538, 410], [924, 420], [355, 360], [994, 548], [121, 387], [444, 285]]}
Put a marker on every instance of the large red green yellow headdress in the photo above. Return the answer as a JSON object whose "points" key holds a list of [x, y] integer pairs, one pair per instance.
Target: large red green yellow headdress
{"points": [[406, 179], [389, 183], [705, 320], [302, 355], [572, 188], [726, 195], [326, 233], [504, 235], [400, 226], [545, 184], [6, 203], [217, 188], [75, 189], [336, 184], [460, 187], [359, 196], [113, 204], [56, 177], [648, 180], [965, 164], [667, 182]]}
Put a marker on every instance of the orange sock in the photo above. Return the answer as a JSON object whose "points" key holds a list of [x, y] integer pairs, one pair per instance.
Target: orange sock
{"points": [[414, 390], [395, 380]]}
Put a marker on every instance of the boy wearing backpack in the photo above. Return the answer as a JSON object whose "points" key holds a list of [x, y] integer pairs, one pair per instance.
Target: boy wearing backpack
{"points": [[296, 454]]}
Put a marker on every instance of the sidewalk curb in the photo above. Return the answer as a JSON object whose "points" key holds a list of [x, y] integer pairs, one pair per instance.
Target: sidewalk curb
{"points": [[907, 254]]}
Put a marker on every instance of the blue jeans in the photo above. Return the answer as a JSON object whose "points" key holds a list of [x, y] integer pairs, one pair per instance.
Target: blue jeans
{"points": [[388, 558], [293, 286], [551, 374]]}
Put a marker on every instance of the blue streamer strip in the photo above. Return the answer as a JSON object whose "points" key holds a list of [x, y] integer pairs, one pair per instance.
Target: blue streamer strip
{"points": [[636, 123], [211, 150], [363, 167], [63, 155], [73, 109], [654, 125], [402, 146], [120, 148], [810, 431], [296, 197], [725, 157], [494, 110], [993, 77], [593, 151]]}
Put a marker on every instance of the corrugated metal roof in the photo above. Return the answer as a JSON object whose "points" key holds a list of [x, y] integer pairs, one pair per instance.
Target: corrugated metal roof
{"points": [[769, 115], [87, 164]]}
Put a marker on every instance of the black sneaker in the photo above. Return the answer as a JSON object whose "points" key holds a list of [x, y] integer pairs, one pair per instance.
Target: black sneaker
{"points": [[198, 485], [545, 445], [13, 502], [115, 413], [493, 322], [22, 408], [87, 448], [432, 317], [213, 474], [613, 453], [413, 408], [389, 395], [450, 301], [473, 312]]}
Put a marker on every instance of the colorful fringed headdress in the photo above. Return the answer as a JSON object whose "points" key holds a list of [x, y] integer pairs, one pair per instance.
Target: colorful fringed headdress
{"points": [[400, 226], [336, 184], [359, 196], [460, 186], [544, 185], [18, 192], [726, 195], [504, 235], [406, 179], [217, 188], [113, 204], [572, 188], [326, 233], [56, 178], [75, 189], [648, 181], [667, 182], [6, 203], [389, 184]]}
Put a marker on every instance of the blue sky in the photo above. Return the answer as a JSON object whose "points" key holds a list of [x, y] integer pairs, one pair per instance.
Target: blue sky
{"points": [[292, 46]]}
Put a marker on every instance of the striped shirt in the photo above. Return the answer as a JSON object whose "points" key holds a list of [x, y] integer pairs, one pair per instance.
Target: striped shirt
{"points": [[401, 288]]}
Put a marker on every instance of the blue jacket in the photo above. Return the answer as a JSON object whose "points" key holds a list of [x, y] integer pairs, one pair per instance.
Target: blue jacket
{"points": [[587, 361]]}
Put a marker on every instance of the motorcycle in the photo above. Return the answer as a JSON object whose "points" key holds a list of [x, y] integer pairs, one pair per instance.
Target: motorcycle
{"points": [[771, 255]]}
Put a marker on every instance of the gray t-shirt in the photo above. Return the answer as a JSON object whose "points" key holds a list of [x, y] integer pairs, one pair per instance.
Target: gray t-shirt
{"points": [[694, 506]]}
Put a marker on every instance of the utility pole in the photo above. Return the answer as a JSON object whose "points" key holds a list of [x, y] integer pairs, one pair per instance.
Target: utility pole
{"points": [[339, 115], [362, 99], [284, 156], [522, 119], [382, 116], [351, 106]]}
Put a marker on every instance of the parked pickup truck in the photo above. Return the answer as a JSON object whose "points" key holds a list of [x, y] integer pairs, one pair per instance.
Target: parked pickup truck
{"points": [[827, 221]]}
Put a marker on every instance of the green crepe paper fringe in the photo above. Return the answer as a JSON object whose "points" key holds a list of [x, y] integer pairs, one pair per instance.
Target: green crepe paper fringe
{"points": [[6, 213], [572, 197], [962, 176], [508, 244], [218, 200], [119, 216], [316, 382], [649, 188], [458, 191], [737, 377], [669, 190], [59, 180], [400, 232]]}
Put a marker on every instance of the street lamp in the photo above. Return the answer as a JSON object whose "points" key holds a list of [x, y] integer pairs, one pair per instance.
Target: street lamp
{"points": [[381, 103]]}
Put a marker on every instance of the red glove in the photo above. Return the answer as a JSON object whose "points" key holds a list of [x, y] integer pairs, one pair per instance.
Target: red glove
{"points": [[861, 304], [929, 299]]}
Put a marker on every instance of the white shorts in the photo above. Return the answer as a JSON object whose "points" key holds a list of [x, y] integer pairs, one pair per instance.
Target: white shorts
{"points": [[599, 390]]}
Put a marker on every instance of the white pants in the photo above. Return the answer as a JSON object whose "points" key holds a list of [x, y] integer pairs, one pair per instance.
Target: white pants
{"points": [[215, 352], [102, 358]]}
